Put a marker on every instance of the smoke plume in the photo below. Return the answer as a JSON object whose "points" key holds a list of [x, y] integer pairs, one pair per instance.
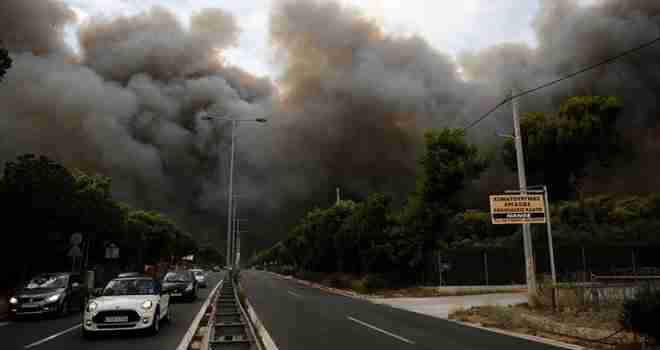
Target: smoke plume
{"points": [[348, 110]]}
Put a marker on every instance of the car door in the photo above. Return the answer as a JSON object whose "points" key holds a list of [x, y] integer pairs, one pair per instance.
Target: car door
{"points": [[164, 299], [74, 288]]}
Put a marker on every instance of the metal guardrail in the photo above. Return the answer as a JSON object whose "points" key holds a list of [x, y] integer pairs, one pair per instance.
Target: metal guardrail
{"points": [[230, 328]]}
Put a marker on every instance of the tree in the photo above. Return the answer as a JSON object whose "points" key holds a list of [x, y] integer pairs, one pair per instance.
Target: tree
{"points": [[560, 147]]}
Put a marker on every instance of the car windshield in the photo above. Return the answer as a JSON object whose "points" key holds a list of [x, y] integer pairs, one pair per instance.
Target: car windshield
{"points": [[47, 282], [141, 286], [177, 277]]}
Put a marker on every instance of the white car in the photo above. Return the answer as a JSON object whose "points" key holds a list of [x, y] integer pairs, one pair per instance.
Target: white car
{"points": [[129, 303]]}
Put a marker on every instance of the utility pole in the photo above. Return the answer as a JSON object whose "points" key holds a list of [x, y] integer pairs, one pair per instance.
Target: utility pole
{"points": [[230, 219], [530, 270], [338, 196]]}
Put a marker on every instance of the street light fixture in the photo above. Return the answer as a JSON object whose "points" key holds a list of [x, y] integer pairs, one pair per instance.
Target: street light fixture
{"points": [[234, 125]]}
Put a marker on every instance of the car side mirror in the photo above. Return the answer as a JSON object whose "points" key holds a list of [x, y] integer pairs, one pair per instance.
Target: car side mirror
{"points": [[98, 292]]}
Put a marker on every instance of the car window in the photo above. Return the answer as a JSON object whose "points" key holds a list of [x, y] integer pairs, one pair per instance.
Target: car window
{"points": [[178, 277], [142, 286], [47, 282]]}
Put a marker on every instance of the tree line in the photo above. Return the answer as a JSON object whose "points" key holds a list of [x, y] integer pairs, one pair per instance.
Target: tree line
{"points": [[400, 243], [45, 204]]}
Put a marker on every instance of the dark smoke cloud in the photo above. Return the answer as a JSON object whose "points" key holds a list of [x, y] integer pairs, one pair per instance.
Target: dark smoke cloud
{"points": [[349, 110], [570, 37], [128, 106], [35, 25]]}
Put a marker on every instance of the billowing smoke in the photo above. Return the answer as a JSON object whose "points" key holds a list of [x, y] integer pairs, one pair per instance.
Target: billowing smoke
{"points": [[571, 36], [348, 110], [127, 107]]}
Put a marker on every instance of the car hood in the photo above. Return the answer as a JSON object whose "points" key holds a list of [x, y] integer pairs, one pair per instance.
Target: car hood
{"points": [[170, 285], [38, 292], [132, 302]]}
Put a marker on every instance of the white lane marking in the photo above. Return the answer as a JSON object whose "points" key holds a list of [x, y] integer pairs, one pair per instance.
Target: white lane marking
{"points": [[52, 336], [294, 294], [4, 323], [381, 330]]}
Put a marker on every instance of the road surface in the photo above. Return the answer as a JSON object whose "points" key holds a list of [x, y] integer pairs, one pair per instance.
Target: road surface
{"points": [[65, 333], [301, 318]]}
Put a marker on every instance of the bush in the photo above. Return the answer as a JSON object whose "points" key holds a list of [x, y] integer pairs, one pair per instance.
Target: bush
{"points": [[358, 286], [309, 276], [642, 313], [373, 282], [339, 280]]}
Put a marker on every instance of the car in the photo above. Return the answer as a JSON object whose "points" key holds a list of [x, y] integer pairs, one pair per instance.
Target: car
{"points": [[129, 274], [47, 294], [181, 284], [200, 276], [216, 268], [127, 304]]}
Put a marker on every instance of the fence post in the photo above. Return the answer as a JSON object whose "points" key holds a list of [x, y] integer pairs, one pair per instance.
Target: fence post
{"points": [[486, 266]]}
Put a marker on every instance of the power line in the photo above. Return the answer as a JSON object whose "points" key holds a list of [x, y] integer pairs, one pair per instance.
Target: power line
{"points": [[569, 76]]}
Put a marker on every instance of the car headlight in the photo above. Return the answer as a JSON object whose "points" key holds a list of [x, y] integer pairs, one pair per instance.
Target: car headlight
{"points": [[13, 300], [92, 306], [53, 298], [147, 304], [189, 288]]}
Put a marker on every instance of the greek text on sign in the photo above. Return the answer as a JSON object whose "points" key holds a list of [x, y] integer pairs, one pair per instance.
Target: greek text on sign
{"points": [[517, 209]]}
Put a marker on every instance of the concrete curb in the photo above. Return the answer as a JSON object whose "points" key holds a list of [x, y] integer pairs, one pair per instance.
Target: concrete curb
{"points": [[327, 289], [190, 334], [533, 338]]}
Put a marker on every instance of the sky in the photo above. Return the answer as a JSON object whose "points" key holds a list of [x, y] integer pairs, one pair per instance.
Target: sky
{"points": [[450, 26]]}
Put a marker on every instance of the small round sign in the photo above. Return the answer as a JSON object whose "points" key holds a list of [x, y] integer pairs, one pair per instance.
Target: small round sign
{"points": [[76, 238]]}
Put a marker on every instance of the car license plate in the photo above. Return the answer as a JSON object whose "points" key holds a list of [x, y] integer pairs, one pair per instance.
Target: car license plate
{"points": [[176, 294], [116, 319]]}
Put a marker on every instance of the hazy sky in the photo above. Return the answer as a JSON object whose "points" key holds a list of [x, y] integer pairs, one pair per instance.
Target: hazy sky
{"points": [[449, 25]]}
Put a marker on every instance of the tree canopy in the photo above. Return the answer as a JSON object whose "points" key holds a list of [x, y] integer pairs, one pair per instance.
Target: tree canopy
{"points": [[560, 147]]}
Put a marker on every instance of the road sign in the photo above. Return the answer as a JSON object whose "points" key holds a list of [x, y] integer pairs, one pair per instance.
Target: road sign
{"points": [[74, 252], [111, 251], [75, 239], [517, 209]]}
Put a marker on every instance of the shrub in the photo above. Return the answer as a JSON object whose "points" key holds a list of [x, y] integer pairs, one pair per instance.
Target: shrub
{"points": [[339, 280], [358, 286], [373, 282], [642, 313]]}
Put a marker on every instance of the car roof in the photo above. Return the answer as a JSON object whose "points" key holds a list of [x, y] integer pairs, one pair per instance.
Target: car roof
{"points": [[133, 278]]}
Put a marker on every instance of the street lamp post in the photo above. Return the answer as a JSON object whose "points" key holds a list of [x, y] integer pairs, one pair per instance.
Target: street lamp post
{"points": [[234, 125]]}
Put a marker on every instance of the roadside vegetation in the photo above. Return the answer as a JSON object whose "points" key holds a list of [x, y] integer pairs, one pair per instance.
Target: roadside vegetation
{"points": [[46, 203], [377, 244]]}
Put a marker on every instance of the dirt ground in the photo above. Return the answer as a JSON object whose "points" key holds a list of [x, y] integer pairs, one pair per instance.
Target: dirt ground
{"points": [[587, 323]]}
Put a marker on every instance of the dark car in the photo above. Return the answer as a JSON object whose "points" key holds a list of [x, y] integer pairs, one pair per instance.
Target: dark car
{"points": [[50, 293], [181, 284]]}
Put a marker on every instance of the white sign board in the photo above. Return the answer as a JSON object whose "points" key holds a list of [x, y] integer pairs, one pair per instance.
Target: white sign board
{"points": [[517, 209]]}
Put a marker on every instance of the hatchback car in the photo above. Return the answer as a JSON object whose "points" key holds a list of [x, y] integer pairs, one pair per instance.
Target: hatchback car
{"points": [[52, 293], [182, 284], [129, 303]]}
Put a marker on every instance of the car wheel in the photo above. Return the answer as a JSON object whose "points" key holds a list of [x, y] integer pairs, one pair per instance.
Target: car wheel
{"points": [[64, 308], [168, 316], [155, 326]]}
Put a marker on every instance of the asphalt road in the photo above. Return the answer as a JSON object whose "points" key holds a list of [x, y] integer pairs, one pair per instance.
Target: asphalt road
{"points": [[300, 318], [65, 333]]}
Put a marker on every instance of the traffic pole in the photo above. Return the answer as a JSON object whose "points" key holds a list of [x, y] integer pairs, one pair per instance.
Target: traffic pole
{"points": [[530, 270]]}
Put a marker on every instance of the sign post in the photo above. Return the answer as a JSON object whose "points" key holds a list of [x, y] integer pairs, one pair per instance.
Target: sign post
{"points": [[531, 207]]}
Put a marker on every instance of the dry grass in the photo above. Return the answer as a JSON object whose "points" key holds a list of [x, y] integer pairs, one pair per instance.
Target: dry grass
{"points": [[504, 317]]}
